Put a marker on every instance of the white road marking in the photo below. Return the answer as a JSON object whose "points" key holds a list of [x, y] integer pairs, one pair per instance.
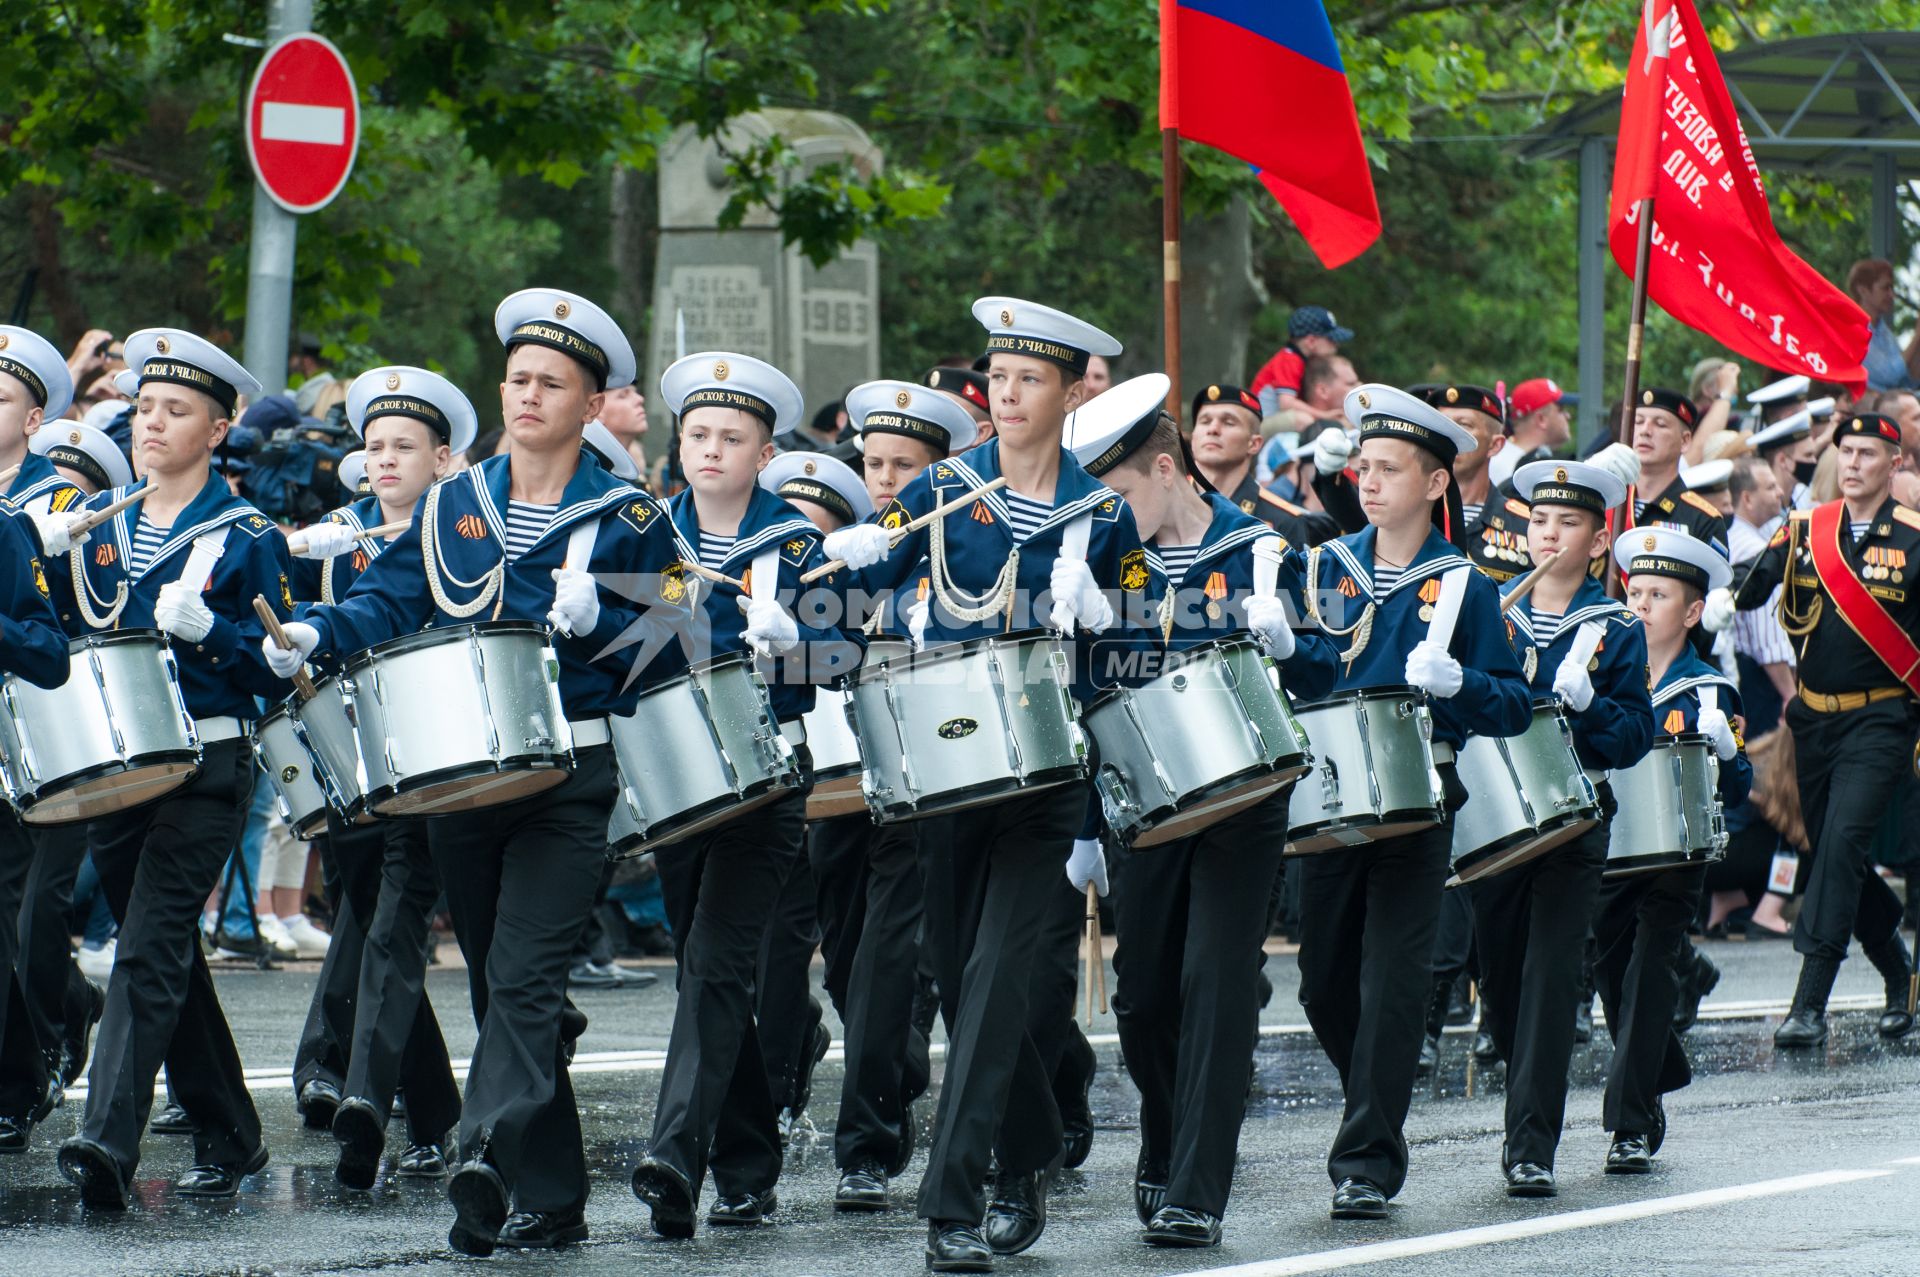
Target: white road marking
{"points": [[297, 122]]}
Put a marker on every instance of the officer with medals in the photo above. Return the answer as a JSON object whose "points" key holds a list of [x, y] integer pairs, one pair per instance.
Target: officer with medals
{"points": [[1851, 601], [993, 895], [1640, 927], [1657, 494], [1368, 916], [1588, 652], [520, 877], [189, 559], [716, 1111], [371, 1030], [1192, 914], [1225, 440]]}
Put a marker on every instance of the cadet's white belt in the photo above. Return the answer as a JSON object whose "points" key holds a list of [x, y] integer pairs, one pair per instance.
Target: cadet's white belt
{"points": [[1597, 776], [588, 732], [1442, 753], [795, 732], [218, 728]]}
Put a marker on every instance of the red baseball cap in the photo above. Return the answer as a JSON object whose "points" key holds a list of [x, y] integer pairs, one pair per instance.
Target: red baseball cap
{"points": [[1531, 396]]}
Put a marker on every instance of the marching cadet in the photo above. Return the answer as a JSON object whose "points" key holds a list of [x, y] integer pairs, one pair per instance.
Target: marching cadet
{"points": [[520, 877], [1225, 441], [1368, 917], [715, 1109], [1192, 914], [993, 893], [1641, 924], [1851, 601], [83, 455], [35, 390], [1588, 652], [1657, 494], [869, 876], [189, 559], [371, 1030]]}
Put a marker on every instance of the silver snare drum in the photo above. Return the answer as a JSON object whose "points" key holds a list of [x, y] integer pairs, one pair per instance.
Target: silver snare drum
{"points": [[835, 749], [311, 755], [1208, 738], [697, 752], [1373, 776], [967, 724], [114, 735], [460, 717], [1526, 795], [291, 770], [1668, 811]]}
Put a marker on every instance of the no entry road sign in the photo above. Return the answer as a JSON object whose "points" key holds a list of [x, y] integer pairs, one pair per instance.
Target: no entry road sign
{"points": [[303, 122]]}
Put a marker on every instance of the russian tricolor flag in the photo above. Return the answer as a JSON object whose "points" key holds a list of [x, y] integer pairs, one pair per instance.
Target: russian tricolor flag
{"points": [[1262, 80]]}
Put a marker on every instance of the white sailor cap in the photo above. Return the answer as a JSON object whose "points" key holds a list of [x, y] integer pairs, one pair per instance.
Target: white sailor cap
{"points": [[1385, 412], [32, 361], [75, 445], [127, 382], [572, 325], [1016, 327], [599, 440], [1708, 476], [1652, 551], [1779, 391], [933, 417], [1820, 409], [352, 473], [723, 379], [1574, 483], [827, 482], [1105, 430], [398, 390], [181, 358], [1782, 432]]}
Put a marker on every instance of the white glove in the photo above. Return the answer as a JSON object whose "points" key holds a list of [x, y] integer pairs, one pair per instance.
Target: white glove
{"points": [[1077, 598], [284, 661], [1087, 864], [1713, 724], [576, 602], [769, 628], [1620, 461], [323, 540], [1331, 450], [1267, 618], [917, 617], [1573, 686], [860, 546], [1717, 614], [56, 531], [1429, 666], [179, 611]]}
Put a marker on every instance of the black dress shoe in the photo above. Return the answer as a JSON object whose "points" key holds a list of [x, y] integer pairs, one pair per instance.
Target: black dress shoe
{"points": [[816, 1051], [1178, 1226], [1149, 1185], [15, 1134], [1429, 1056], [1803, 1028], [78, 1038], [1529, 1179], [1483, 1048], [1017, 1214], [1630, 1155], [421, 1161], [1696, 983], [213, 1180], [954, 1246], [543, 1230], [1076, 1106], [1583, 1021], [667, 1194], [96, 1173], [1895, 1022], [745, 1210], [480, 1208], [1357, 1199], [173, 1120], [319, 1101], [1459, 1005], [1657, 1136], [356, 1124], [863, 1188], [903, 1147]]}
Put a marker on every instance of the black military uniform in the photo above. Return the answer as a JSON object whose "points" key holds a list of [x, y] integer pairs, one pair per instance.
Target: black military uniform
{"points": [[1677, 506], [1853, 729]]}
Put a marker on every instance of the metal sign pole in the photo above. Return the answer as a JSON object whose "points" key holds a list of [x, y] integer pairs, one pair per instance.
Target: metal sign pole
{"points": [[270, 251]]}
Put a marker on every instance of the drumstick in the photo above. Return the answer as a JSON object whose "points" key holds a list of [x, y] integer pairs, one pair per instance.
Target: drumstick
{"points": [[1099, 949], [1913, 992], [301, 683], [718, 578], [88, 522], [1528, 581], [938, 512], [369, 534]]}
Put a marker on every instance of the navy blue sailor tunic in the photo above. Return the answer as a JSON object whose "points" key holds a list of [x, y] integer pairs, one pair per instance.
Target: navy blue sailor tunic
{"points": [[1615, 730]]}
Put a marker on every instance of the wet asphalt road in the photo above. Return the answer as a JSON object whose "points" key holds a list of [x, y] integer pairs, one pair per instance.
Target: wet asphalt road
{"points": [[1772, 1164]]}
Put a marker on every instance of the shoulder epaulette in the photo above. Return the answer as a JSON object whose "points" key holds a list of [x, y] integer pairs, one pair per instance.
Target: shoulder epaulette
{"points": [[1909, 517], [1516, 506], [1800, 516], [254, 525], [1284, 504], [1700, 503]]}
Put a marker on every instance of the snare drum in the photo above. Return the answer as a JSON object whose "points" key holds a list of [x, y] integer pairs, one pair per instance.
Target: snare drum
{"points": [[1669, 809], [290, 769], [699, 751], [114, 735], [1209, 738], [311, 755], [459, 717], [1526, 795], [966, 724], [1372, 777], [835, 749]]}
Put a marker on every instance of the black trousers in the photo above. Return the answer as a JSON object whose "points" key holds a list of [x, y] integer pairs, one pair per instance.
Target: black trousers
{"points": [[349, 870], [720, 890], [1192, 918], [994, 880], [1850, 767], [785, 1010], [1640, 930], [1531, 923], [157, 864], [1453, 937], [870, 884], [1367, 923], [56, 992], [520, 879], [23, 1061]]}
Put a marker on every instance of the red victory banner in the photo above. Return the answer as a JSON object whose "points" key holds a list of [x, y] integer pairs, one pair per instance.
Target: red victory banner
{"points": [[1716, 263]]}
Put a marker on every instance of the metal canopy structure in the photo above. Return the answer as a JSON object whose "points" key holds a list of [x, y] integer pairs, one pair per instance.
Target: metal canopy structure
{"points": [[1838, 105]]}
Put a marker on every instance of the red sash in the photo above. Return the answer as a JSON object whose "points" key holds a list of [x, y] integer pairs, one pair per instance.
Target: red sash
{"points": [[1880, 632]]}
